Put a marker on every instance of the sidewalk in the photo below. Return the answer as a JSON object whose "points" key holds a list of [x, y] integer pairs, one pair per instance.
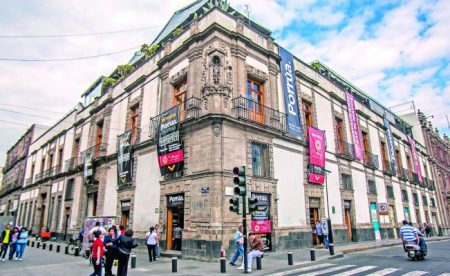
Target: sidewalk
{"points": [[272, 262]]}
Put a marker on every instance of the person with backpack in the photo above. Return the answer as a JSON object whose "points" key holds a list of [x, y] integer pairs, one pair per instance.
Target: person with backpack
{"points": [[124, 245], [21, 243]]}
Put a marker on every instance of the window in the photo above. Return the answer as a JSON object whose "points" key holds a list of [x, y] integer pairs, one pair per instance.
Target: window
{"points": [[69, 190], [409, 164], [50, 161], [134, 123], [179, 96], [260, 160], [425, 200], [255, 100], [340, 135], [60, 160], [405, 195], [32, 171], [42, 165], [76, 148], [433, 202], [307, 109], [399, 162], [372, 187], [390, 191], [346, 182], [99, 138], [365, 140], [416, 199], [384, 157]]}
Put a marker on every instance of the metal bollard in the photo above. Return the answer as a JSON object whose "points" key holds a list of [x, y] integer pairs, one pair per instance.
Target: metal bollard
{"points": [[290, 259], [38, 245], [258, 263], [58, 248], [50, 247], [223, 266], [174, 264], [66, 250], [32, 244], [28, 242], [37, 238], [331, 248], [133, 261], [312, 252], [44, 245]]}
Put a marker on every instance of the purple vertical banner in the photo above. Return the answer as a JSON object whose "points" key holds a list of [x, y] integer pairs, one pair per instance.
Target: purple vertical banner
{"points": [[316, 155], [415, 158], [354, 127]]}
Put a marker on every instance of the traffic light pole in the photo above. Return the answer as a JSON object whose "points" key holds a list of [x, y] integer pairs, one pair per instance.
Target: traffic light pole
{"points": [[244, 225]]}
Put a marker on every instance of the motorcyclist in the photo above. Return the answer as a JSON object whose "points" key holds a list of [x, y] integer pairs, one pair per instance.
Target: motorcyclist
{"points": [[410, 233]]}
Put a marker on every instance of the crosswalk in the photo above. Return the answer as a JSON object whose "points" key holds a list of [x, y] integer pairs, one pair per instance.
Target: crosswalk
{"points": [[348, 270]]}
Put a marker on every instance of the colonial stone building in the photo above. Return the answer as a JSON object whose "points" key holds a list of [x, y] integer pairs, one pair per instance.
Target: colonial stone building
{"points": [[156, 142]]}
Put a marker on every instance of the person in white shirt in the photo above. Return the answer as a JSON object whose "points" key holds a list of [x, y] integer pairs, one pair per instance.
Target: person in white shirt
{"points": [[95, 229], [151, 238]]}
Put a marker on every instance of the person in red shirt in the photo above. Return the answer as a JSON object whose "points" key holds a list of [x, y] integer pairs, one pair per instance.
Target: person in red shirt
{"points": [[97, 253]]}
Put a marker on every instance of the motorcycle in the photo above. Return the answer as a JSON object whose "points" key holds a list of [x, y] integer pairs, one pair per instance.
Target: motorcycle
{"points": [[414, 251]]}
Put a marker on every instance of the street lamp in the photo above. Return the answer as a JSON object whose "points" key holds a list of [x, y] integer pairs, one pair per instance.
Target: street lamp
{"points": [[330, 228]]}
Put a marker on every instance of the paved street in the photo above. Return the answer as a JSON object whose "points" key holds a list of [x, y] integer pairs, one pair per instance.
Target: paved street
{"points": [[385, 261]]}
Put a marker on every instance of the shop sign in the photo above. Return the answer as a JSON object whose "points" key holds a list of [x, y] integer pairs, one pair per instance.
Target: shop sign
{"points": [[124, 173], [290, 93], [316, 156], [263, 204], [175, 200], [125, 205], [88, 167], [205, 190], [261, 226], [354, 127], [390, 143], [415, 157], [170, 151]]}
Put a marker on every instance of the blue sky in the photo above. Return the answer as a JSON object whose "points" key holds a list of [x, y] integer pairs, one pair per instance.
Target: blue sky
{"points": [[396, 51]]}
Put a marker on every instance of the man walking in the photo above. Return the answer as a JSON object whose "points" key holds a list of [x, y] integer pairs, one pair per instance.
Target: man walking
{"points": [[239, 240], [5, 239], [177, 237]]}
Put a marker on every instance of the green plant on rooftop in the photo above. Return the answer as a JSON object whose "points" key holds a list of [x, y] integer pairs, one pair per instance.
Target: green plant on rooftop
{"points": [[315, 66], [108, 81], [221, 4], [148, 50], [177, 32], [124, 70]]}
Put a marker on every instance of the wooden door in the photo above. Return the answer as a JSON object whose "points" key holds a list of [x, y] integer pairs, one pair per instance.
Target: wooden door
{"points": [[348, 223], [255, 101], [340, 135], [169, 229], [313, 217], [366, 147]]}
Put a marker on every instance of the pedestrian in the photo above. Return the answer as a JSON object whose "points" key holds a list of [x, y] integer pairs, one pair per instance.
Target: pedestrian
{"points": [[151, 238], [5, 239], [427, 230], [21, 243], [13, 244], [124, 245], [257, 250], [319, 233], [177, 237], [239, 241], [110, 253], [98, 251], [97, 227], [158, 239]]}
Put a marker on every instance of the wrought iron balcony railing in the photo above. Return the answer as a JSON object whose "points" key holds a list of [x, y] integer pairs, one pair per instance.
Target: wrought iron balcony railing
{"points": [[97, 151], [431, 185], [249, 110], [72, 164], [49, 173], [415, 178], [388, 168], [403, 175], [37, 177], [28, 181], [371, 160], [345, 150], [189, 109], [424, 182]]}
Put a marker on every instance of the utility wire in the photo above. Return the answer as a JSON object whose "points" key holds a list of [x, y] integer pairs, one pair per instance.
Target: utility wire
{"points": [[23, 113], [80, 34], [68, 59], [31, 108]]}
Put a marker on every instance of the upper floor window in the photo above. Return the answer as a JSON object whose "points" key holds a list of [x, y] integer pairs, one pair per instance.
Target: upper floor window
{"points": [[255, 100], [372, 187], [134, 123], [307, 110], [384, 158], [179, 96], [409, 164], [76, 147], [346, 182], [260, 160], [416, 198], [365, 140], [404, 195], [60, 160], [398, 159], [99, 138], [390, 191], [340, 135], [433, 202], [425, 200], [50, 161]]}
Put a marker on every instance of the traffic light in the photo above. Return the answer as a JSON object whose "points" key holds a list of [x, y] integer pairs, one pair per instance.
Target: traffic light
{"points": [[252, 204], [239, 180], [234, 207]]}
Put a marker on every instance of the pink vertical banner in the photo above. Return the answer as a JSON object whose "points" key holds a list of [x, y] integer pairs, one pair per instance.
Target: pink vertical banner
{"points": [[316, 147], [354, 126], [415, 158]]}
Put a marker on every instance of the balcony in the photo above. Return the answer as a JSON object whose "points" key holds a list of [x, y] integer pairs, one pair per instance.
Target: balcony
{"points": [[37, 177], [72, 164], [245, 109], [97, 151], [345, 150], [388, 168], [371, 160], [415, 178], [403, 174], [424, 183], [431, 185], [28, 181], [49, 173]]}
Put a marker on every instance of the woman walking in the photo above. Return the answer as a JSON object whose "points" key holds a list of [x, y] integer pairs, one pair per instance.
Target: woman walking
{"points": [[110, 254], [124, 245], [21, 243], [151, 238], [13, 244], [97, 253], [158, 238]]}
